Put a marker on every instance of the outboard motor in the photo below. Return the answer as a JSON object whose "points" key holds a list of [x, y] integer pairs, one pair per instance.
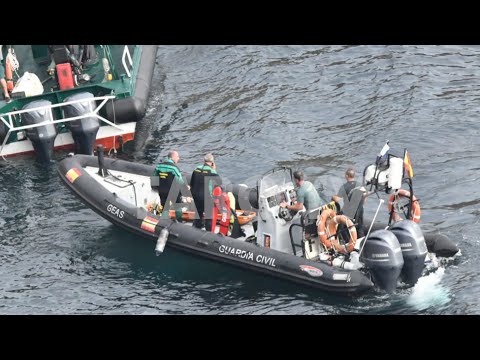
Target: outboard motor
{"points": [[414, 249], [383, 256], [84, 131], [42, 137]]}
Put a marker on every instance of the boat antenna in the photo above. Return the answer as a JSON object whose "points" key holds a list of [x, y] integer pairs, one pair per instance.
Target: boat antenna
{"points": [[380, 202]]}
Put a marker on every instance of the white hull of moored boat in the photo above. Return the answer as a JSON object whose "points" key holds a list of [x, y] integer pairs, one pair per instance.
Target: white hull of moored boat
{"points": [[108, 136]]}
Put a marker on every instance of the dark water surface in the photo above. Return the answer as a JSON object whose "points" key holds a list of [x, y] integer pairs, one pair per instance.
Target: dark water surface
{"points": [[318, 108]]}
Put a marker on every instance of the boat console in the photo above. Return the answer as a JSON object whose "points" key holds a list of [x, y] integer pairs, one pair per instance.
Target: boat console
{"points": [[274, 221]]}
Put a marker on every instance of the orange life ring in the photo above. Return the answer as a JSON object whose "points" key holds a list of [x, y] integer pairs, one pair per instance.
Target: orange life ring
{"points": [[326, 233], [402, 193]]}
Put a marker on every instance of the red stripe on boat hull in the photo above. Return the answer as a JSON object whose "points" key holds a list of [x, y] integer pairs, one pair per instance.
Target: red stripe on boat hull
{"points": [[107, 143]]}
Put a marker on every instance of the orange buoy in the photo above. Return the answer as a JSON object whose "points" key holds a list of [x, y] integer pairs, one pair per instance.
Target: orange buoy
{"points": [[9, 68], [242, 218], [186, 215]]}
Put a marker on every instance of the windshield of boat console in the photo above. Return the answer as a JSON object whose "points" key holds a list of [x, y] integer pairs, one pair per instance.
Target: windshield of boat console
{"points": [[278, 178]]}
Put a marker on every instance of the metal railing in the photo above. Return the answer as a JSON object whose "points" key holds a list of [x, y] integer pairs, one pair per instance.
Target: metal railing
{"points": [[13, 128], [126, 55], [108, 54]]}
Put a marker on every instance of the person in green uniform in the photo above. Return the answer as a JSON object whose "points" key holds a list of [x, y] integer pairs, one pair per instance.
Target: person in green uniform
{"points": [[204, 179], [171, 183]]}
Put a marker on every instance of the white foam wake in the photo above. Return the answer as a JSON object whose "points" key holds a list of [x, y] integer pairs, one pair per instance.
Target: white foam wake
{"points": [[428, 291]]}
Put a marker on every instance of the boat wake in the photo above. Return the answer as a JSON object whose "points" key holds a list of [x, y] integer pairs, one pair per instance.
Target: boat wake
{"points": [[429, 292]]}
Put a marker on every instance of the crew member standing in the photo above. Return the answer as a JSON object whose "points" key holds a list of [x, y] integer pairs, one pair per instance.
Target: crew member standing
{"points": [[204, 179], [170, 179]]}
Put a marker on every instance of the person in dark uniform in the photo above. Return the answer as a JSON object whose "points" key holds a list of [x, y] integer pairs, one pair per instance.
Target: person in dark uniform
{"points": [[346, 192], [170, 179], [204, 179]]}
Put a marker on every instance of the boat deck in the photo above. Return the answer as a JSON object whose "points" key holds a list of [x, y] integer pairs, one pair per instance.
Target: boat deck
{"points": [[136, 190], [36, 59]]}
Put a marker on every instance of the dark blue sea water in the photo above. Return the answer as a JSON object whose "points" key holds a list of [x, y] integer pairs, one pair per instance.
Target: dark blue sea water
{"points": [[317, 108]]}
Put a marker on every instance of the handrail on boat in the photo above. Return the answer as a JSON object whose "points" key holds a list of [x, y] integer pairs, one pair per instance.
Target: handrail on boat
{"points": [[11, 127], [126, 54]]}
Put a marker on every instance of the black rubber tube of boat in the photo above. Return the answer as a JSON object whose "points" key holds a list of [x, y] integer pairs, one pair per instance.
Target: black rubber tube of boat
{"points": [[133, 108]]}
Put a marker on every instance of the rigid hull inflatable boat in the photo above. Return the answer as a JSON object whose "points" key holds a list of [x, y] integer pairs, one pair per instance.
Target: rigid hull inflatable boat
{"points": [[282, 245]]}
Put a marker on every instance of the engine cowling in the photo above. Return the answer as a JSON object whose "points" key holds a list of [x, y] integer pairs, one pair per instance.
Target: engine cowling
{"points": [[414, 249], [382, 255], [42, 137], [84, 131]]}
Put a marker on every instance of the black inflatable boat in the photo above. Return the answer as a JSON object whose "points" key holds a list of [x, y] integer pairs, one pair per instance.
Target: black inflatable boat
{"points": [[283, 246]]}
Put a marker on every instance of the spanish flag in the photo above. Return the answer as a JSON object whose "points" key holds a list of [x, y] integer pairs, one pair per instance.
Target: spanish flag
{"points": [[407, 163], [73, 174], [149, 224]]}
